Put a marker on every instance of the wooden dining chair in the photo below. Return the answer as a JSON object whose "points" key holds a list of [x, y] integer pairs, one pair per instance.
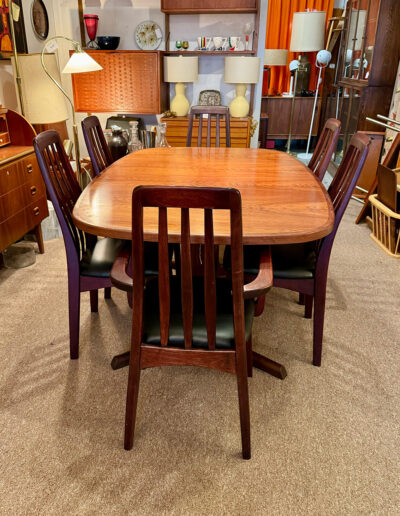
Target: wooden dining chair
{"points": [[210, 111], [96, 144], [326, 146], [304, 267], [89, 260], [184, 319]]}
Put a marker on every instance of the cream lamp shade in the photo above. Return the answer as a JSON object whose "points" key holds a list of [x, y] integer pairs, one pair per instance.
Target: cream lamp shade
{"points": [[308, 31], [43, 102], [275, 57], [359, 34], [180, 70], [241, 70], [80, 62]]}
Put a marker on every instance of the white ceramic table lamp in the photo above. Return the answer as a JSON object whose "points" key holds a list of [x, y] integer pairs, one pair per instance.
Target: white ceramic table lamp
{"points": [[241, 70], [180, 70]]}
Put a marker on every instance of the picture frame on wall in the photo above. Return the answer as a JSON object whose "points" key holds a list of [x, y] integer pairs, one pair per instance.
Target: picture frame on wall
{"points": [[6, 45]]}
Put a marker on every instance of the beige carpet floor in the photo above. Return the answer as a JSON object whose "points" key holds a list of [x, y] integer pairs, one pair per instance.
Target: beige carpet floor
{"points": [[325, 441]]}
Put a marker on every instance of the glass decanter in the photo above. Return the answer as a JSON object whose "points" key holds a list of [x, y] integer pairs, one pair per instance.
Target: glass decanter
{"points": [[161, 140], [134, 143]]}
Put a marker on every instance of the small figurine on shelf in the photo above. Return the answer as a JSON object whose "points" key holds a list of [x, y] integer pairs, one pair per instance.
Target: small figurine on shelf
{"points": [[134, 143], [161, 140]]}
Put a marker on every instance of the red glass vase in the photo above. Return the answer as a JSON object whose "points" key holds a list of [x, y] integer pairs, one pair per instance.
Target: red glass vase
{"points": [[91, 23]]}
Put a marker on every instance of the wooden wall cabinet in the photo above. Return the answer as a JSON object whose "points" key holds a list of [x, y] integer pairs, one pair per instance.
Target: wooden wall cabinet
{"points": [[208, 6], [23, 202], [177, 132], [131, 81], [278, 111]]}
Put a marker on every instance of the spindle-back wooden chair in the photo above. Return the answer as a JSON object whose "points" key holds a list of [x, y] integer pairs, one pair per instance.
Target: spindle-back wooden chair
{"points": [[96, 144], [210, 112], [185, 319], [89, 260]]}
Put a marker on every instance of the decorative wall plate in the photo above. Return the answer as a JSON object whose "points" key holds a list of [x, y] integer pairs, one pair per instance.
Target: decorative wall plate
{"points": [[148, 35], [40, 19]]}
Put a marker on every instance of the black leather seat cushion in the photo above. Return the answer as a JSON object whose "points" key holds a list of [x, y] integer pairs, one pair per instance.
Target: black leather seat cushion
{"points": [[294, 261], [99, 257], [291, 261], [224, 319]]}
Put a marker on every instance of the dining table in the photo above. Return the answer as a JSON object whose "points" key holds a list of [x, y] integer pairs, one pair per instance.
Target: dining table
{"points": [[282, 201]]}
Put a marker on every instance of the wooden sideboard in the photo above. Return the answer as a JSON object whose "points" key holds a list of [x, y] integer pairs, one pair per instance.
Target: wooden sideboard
{"points": [[177, 132], [278, 111], [23, 202]]}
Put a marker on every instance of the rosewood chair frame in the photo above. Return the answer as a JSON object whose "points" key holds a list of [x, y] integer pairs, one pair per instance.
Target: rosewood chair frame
{"points": [[218, 111], [326, 146], [96, 144], [237, 360], [313, 291], [64, 190]]}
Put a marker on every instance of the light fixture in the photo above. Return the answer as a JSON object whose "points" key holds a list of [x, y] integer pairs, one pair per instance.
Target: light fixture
{"points": [[308, 33], [274, 57], [241, 70], [180, 70], [79, 62], [322, 60]]}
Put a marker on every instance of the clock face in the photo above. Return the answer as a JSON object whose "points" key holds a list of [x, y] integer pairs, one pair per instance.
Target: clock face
{"points": [[40, 19]]}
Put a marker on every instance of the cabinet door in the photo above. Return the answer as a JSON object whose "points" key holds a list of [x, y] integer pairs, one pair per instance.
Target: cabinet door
{"points": [[198, 6], [130, 82]]}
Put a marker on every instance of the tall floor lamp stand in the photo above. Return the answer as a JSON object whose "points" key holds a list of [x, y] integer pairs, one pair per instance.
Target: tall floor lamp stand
{"points": [[289, 141]]}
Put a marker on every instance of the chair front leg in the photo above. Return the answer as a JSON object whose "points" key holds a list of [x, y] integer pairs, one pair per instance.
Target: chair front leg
{"points": [[243, 394], [94, 300], [107, 293], [73, 309]]}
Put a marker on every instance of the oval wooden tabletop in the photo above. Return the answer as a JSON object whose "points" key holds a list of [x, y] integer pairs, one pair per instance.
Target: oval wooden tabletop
{"points": [[282, 201]]}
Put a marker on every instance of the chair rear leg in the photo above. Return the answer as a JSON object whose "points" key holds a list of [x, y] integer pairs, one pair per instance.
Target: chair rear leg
{"points": [[107, 293], [74, 299], [244, 409], [260, 304], [309, 306], [302, 299], [132, 398], [319, 315], [94, 300]]}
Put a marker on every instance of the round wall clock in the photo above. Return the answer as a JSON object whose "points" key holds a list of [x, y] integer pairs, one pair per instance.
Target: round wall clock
{"points": [[40, 19]]}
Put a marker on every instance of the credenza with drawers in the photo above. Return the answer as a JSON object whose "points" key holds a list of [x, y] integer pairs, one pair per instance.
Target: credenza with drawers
{"points": [[23, 201]]}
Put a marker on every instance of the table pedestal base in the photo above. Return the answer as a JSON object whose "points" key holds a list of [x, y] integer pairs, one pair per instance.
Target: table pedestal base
{"points": [[259, 361]]}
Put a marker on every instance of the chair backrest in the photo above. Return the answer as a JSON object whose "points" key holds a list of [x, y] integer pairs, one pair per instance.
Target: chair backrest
{"points": [[62, 187], [342, 186], [210, 111], [326, 146], [185, 198], [96, 144]]}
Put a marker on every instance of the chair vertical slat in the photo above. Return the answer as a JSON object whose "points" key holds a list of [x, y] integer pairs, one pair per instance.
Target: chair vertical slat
{"points": [[210, 299], [228, 129], [199, 136], [217, 130], [190, 131], [209, 131], [163, 276], [186, 279]]}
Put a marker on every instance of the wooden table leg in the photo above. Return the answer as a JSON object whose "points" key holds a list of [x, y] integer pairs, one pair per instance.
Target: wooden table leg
{"points": [[259, 361], [39, 238], [269, 366]]}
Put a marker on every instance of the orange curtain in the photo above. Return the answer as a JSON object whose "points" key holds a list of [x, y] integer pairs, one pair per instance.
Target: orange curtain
{"points": [[279, 28]]}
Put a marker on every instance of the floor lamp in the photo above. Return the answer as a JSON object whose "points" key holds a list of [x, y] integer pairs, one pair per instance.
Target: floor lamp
{"points": [[79, 62], [322, 61], [308, 32], [274, 57]]}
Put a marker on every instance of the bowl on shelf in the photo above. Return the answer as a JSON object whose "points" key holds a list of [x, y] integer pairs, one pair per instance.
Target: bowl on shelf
{"points": [[108, 42]]}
